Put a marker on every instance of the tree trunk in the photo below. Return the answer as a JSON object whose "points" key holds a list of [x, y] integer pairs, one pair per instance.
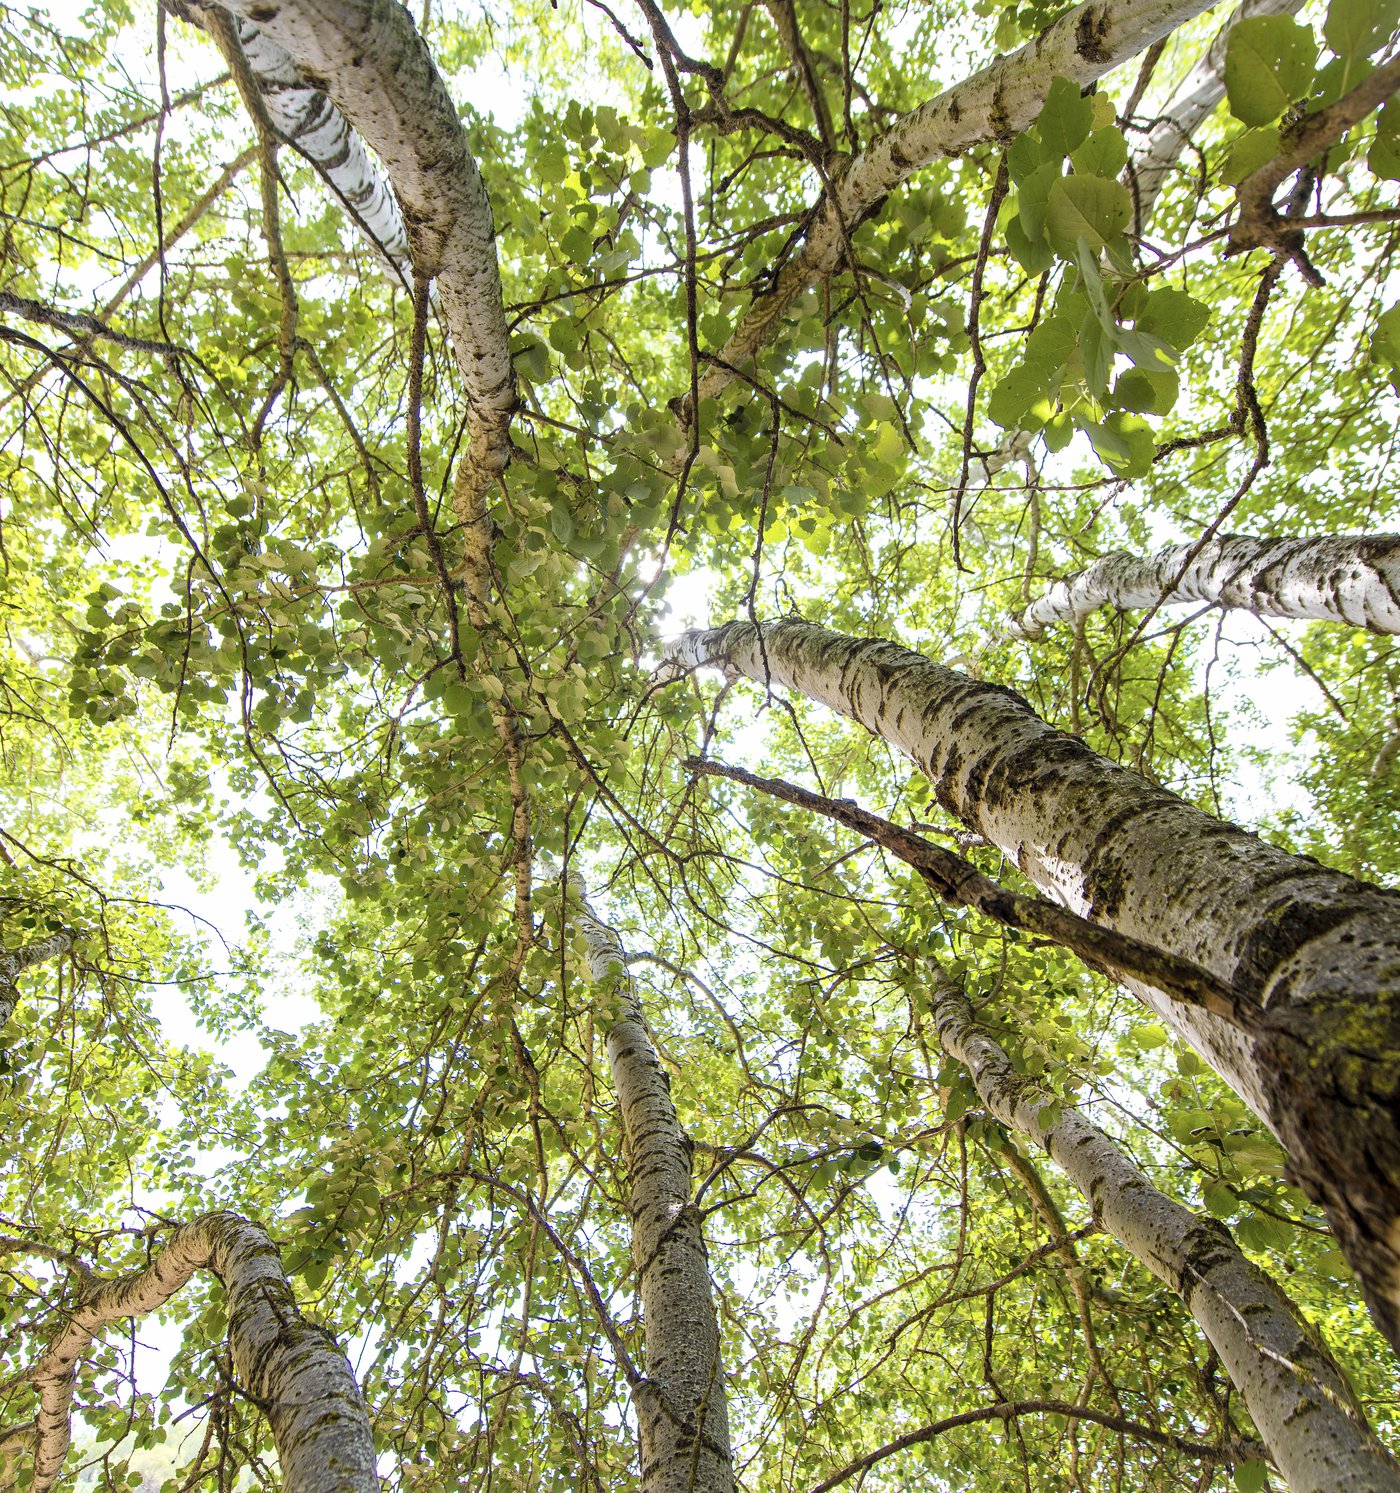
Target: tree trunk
{"points": [[682, 1414], [13, 963], [1317, 952], [1298, 1398], [1194, 101], [290, 1368], [1352, 578]]}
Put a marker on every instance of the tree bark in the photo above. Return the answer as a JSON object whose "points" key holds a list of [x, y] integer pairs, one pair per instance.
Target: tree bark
{"points": [[290, 1368], [1194, 100], [366, 56], [1297, 1396], [1352, 578], [1317, 952], [995, 104], [682, 1413], [12, 964]]}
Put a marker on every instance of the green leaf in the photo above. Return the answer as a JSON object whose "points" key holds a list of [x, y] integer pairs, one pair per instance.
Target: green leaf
{"points": [[1268, 65], [1052, 344], [1065, 119], [1174, 316], [1091, 208], [1385, 345], [1104, 153], [1125, 444], [1248, 153], [1021, 399], [1146, 393], [1355, 28], [1384, 155], [1034, 255], [1249, 1476], [1219, 1200]]}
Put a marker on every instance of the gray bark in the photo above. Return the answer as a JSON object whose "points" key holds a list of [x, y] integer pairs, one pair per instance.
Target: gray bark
{"points": [[368, 59], [1352, 578], [287, 1366], [1316, 952], [1297, 1396], [682, 1412], [995, 104], [1194, 100], [15, 961]]}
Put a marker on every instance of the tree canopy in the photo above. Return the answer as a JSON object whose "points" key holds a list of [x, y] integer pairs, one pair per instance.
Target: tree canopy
{"points": [[383, 395]]}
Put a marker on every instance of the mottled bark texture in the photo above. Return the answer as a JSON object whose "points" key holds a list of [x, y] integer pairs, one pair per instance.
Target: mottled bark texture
{"points": [[1170, 133], [368, 59], [307, 120], [288, 1367], [1316, 951], [682, 1412], [14, 962], [995, 104], [1353, 578], [1297, 1396]]}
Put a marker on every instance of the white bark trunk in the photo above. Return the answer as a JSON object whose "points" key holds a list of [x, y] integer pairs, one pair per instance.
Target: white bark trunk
{"points": [[1316, 951], [307, 119], [1352, 578], [1195, 99], [995, 104], [13, 963], [1297, 1396], [366, 56], [288, 1367], [683, 1417]]}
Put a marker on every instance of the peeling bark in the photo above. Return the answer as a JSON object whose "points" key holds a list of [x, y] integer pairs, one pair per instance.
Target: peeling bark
{"points": [[682, 1411], [995, 104], [1352, 578], [290, 1368], [1297, 1396], [12, 964], [1316, 951], [368, 59]]}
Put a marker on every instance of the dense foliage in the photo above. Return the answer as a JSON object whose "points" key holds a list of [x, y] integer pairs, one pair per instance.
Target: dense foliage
{"points": [[231, 615]]}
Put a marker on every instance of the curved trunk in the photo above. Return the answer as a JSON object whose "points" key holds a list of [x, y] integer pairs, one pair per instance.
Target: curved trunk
{"points": [[1316, 952], [1297, 1396], [286, 1365], [995, 104], [366, 56], [682, 1414], [12, 964], [1353, 578], [1194, 101]]}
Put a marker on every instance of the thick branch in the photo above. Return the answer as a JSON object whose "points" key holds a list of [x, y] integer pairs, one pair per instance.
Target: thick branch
{"points": [[1351, 578], [12, 964], [289, 1367]]}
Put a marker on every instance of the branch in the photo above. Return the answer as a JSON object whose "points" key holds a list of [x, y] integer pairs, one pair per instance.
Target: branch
{"points": [[960, 882], [11, 965]]}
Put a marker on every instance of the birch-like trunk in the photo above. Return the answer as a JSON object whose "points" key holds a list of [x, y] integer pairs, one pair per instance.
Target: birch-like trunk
{"points": [[288, 1367], [1317, 952], [1297, 1396], [1352, 578], [368, 59], [1195, 99], [995, 104], [15, 961], [682, 1413]]}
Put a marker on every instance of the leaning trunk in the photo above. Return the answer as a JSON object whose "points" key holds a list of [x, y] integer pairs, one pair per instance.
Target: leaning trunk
{"points": [[682, 1411], [1316, 952], [1352, 578], [1297, 1396]]}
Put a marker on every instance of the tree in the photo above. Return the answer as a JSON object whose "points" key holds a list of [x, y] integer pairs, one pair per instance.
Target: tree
{"points": [[357, 430]]}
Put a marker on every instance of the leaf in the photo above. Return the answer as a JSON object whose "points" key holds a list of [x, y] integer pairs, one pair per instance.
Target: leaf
{"points": [[1125, 444], [1355, 28], [1146, 393], [1219, 1200], [1033, 196], [1248, 153], [1384, 155], [1104, 153], [1385, 345], [1177, 318], [1091, 208], [1249, 1476], [1268, 64], [1065, 119], [1034, 255], [1052, 344], [1021, 399]]}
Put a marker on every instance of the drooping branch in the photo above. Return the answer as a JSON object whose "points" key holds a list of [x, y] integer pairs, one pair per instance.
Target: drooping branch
{"points": [[960, 882], [368, 59], [1315, 949], [995, 104], [1297, 1396], [683, 1416], [16, 961], [287, 1366], [1351, 578]]}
